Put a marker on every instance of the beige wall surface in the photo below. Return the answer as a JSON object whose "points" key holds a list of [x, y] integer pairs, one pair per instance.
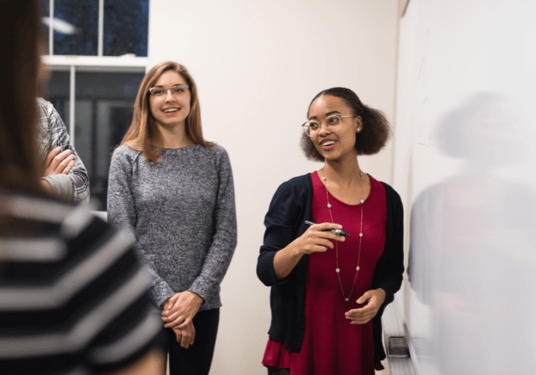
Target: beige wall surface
{"points": [[257, 65]]}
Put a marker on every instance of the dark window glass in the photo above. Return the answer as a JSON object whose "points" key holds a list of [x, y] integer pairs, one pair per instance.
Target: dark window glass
{"points": [[77, 34], [125, 27], [45, 13], [103, 113], [57, 92], [45, 8]]}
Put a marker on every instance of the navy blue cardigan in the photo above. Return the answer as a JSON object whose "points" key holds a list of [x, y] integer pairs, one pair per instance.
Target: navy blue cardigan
{"points": [[290, 207]]}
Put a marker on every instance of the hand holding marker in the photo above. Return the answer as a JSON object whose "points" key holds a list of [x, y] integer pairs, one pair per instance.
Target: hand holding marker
{"points": [[338, 232]]}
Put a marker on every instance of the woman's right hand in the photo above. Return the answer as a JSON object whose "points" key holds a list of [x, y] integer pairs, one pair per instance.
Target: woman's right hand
{"points": [[186, 336], [316, 239]]}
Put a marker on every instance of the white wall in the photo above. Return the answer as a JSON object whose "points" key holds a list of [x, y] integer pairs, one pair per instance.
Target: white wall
{"points": [[257, 65]]}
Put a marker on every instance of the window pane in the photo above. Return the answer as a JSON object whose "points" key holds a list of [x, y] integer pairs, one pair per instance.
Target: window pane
{"points": [[125, 27], [57, 92], [76, 32], [103, 112], [45, 29]]}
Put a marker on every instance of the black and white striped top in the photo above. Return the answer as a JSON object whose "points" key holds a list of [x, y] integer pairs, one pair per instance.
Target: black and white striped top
{"points": [[73, 297]]}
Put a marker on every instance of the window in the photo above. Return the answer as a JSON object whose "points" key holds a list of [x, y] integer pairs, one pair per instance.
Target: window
{"points": [[97, 57], [97, 27]]}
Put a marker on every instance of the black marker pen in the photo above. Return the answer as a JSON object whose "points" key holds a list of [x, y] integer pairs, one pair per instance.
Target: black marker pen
{"points": [[338, 232]]}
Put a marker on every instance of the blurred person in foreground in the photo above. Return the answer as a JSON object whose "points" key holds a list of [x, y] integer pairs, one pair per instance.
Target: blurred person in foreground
{"points": [[62, 171], [73, 297]]}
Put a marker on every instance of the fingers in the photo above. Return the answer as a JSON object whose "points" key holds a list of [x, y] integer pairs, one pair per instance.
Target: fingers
{"points": [[174, 298], [365, 297], [64, 163], [322, 230], [172, 302], [326, 226], [178, 334], [69, 167], [357, 313], [58, 162], [184, 324], [186, 336], [171, 306], [363, 320], [316, 239], [320, 244], [169, 315], [165, 304], [185, 340], [52, 154], [361, 316], [175, 323]]}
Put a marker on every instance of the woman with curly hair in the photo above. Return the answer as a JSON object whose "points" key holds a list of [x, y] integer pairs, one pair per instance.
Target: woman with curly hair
{"points": [[331, 281]]}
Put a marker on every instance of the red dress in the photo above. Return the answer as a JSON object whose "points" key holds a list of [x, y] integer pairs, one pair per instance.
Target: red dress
{"points": [[331, 345]]}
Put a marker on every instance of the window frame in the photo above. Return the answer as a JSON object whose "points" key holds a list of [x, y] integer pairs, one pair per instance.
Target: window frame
{"points": [[74, 64]]}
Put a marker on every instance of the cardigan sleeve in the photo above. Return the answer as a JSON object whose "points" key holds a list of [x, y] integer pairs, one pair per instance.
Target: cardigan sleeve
{"points": [[394, 267], [281, 221], [224, 240], [122, 213]]}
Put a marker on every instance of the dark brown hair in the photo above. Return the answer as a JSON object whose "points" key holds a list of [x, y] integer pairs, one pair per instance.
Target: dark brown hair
{"points": [[374, 134], [19, 27], [140, 135]]}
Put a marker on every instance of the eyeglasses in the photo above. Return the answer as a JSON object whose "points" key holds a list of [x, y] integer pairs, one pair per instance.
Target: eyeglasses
{"points": [[333, 123], [161, 92]]}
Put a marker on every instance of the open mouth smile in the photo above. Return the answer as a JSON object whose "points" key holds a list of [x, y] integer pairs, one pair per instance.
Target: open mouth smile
{"points": [[327, 144], [170, 111]]}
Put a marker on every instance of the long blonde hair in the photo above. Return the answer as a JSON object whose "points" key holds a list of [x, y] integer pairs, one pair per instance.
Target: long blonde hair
{"points": [[140, 135]]}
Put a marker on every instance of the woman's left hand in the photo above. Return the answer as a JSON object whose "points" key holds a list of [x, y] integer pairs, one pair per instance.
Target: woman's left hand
{"points": [[180, 309], [373, 299]]}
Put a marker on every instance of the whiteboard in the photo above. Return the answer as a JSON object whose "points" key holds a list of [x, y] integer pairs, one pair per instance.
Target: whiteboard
{"points": [[464, 164]]}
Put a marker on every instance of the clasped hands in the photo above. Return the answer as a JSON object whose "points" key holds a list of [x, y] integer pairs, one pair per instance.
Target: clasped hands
{"points": [[178, 312], [373, 299]]}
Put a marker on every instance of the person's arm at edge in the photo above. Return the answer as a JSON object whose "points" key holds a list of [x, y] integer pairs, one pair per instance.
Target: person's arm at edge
{"points": [[73, 186]]}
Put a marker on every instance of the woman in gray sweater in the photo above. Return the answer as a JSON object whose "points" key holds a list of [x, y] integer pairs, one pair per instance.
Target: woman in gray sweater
{"points": [[174, 191]]}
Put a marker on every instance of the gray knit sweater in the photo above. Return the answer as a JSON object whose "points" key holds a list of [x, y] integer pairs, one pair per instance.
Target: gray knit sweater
{"points": [[182, 214]]}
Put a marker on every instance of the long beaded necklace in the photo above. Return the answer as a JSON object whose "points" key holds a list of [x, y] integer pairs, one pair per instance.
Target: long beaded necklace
{"points": [[338, 270]]}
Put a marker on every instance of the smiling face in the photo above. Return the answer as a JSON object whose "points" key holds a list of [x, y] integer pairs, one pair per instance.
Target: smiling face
{"points": [[171, 109], [334, 145]]}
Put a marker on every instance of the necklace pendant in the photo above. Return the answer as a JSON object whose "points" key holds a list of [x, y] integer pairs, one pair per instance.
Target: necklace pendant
{"points": [[347, 299]]}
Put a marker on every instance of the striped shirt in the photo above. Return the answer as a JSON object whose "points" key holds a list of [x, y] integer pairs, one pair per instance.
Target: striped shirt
{"points": [[73, 297], [52, 133]]}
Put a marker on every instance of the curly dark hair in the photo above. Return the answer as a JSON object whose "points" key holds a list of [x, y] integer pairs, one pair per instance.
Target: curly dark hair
{"points": [[372, 138]]}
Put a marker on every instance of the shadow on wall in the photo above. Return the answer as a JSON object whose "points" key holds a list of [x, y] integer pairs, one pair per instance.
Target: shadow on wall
{"points": [[472, 259]]}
